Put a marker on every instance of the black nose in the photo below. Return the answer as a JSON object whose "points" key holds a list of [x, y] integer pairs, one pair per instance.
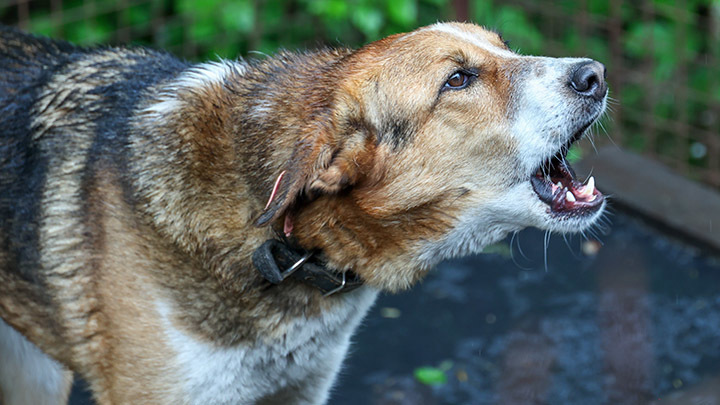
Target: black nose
{"points": [[588, 79]]}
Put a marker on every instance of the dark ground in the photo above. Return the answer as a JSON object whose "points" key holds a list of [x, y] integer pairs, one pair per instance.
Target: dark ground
{"points": [[631, 322], [635, 322]]}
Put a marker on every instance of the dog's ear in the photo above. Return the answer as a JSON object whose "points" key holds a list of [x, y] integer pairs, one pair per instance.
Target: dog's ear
{"points": [[327, 160]]}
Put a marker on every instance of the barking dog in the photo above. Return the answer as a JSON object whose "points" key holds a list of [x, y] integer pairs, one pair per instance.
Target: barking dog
{"points": [[214, 233]]}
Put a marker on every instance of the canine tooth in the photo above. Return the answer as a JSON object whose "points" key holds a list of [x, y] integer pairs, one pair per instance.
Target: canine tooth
{"points": [[588, 189], [570, 197], [559, 184]]}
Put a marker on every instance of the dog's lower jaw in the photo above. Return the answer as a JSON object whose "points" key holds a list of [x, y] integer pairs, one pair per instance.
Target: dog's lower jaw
{"points": [[467, 238], [493, 219]]}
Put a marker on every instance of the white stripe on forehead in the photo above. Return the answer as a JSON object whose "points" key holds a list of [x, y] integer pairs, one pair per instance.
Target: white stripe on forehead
{"points": [[473, 39]]}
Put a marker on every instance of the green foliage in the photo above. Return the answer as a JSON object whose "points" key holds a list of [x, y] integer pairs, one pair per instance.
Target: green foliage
{"points": [[227, 27], [501, 248], [667, 51], [574, 154], [430, 375], [672, 46], [368, 20], [402, 12], [512, 22], [433, 375]]}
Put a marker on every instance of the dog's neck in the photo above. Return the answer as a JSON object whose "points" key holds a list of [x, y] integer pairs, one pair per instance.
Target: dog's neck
{"points": [[279, 261], [233, 125]]}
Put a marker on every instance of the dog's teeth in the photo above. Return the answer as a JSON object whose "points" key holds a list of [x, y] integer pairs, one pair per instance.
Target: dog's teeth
{"points": [[559, 185], [588, 189], [590, 184], [570, 197]]}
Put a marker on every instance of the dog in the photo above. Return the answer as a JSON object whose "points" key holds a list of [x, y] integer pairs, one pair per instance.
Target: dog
{"points": [[183, 233]]}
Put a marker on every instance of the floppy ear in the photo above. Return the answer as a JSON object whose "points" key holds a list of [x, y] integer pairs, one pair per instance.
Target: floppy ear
{"points": [[325, 162]]}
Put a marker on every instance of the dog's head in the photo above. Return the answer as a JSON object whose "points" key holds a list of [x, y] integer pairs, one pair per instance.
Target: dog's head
{"points": [[434, 143]]}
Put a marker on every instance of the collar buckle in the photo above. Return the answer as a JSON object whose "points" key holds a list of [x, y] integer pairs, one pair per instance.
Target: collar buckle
{"points": [[264, 260], [285, 274], [274, 255], [339, 288]]}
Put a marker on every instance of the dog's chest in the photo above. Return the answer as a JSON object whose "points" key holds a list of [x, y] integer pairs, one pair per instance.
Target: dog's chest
{"points": [[295, 369]]}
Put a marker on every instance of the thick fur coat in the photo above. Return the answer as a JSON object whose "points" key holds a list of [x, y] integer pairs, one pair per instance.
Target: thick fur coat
{"points": [[134, 188]]}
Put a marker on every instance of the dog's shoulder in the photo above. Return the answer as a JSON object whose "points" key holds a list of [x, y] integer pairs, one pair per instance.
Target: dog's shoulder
{"points": [[61, 104]]}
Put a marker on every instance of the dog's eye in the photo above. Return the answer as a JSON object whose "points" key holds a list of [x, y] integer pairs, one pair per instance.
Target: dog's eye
{"points": [[458, 80]]}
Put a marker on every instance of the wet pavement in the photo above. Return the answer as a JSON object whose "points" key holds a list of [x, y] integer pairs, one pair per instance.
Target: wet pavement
{"points": [[632, 321]]}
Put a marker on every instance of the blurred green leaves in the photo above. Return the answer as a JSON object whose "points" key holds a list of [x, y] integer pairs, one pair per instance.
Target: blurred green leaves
{"points": [[368, 20], [403, 12], [513, 23], [501, 248], [94, 33], [430, 375], [238, 16], [667, 47], [331, 10], [575, 154]]}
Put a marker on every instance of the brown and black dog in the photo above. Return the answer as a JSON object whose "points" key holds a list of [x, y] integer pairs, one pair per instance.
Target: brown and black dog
{"points": [[153, 211]]}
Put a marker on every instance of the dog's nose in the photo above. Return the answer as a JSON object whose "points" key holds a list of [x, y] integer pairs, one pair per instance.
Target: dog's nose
{"points": [[588, 79]]}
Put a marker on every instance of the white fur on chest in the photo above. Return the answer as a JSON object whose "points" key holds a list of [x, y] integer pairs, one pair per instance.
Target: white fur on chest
{"points": [[303, 363]]}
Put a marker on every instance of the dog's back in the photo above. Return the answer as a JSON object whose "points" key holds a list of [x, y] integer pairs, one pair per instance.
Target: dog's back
{"points": [[26, 64], [25, 59], [50, 92], [52, 96]]}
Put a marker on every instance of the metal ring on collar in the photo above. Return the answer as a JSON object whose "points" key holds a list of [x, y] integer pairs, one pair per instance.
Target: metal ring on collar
{"points": [[296, 266], [333, 291]]}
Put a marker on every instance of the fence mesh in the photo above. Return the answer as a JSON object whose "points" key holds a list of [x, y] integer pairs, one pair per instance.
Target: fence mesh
{"points": [[662, 56]]}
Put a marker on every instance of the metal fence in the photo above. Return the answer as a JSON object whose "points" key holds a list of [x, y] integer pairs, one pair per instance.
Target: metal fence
{"points": [[663, 59], [663, 56]]}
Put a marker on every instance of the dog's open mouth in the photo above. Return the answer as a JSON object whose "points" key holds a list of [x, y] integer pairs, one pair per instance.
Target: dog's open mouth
{"points": [[555, 184]]}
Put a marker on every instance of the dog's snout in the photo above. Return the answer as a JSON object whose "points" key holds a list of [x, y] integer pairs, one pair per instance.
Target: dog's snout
{"points": [[588, 79]]}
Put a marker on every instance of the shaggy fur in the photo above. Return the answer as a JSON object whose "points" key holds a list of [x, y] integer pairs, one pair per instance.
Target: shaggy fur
{"points": [[135, 189]]}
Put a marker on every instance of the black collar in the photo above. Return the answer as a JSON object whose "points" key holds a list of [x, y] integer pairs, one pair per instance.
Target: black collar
{"points": [[274, 255]]}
